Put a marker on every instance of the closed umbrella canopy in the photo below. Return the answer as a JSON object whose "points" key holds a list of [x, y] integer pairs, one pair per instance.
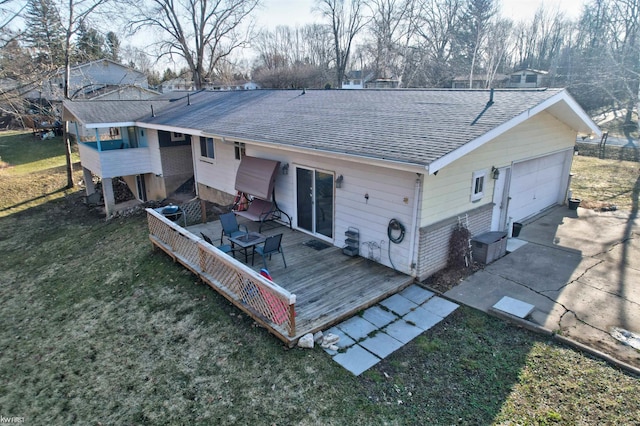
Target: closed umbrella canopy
{"points": [[257, 176]]}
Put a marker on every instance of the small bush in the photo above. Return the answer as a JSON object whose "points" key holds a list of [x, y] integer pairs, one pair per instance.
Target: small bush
{"points": [[459, 248]]}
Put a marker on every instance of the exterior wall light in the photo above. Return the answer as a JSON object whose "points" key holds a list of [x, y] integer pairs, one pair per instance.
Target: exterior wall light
{"points": [[496, 172], [339, 180], [285, 169]]}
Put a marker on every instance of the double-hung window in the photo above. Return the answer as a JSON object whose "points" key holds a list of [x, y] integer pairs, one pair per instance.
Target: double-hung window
{"points": [[207, 148], [478, 184]]}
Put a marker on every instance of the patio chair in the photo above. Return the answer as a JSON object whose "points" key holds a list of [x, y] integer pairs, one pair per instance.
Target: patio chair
{"points": [[225, 248], [230, 227], [272, 244]]}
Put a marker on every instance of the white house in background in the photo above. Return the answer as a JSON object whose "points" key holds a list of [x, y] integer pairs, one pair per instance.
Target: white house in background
{"points": [[87, 79], [402, 166], [186, 85], [356, 80], [177, 84], [480, 81], [528, 79]]}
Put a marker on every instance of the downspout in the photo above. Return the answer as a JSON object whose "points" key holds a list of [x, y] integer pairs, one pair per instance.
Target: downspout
{"points": [[414, 225], [75, 123], [194, 165], [98, 141]]}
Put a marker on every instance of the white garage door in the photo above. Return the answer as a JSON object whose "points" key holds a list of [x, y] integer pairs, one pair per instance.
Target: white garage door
{"points": [[537, 184]]}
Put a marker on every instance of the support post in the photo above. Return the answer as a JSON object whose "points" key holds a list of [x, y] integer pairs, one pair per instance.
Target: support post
{"points": [[292, 320], [88, 181], [109, 197]]}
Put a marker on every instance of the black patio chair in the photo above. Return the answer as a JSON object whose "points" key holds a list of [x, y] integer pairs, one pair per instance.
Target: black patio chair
{"points": [[225, 248], [230, 227], [272, 244]]}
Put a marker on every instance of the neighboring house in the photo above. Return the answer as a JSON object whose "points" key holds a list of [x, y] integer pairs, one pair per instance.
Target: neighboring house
{"points": [[355, 80], [238, 85], [86, 79], [153, 165], [177, 84], [121, 92], [528, 79], [480, 81], [182, 85], [382, 83], [402, 166], [112, 93]]}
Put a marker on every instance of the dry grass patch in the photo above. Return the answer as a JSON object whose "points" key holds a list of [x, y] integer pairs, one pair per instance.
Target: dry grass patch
{"points": [[603, 183]]}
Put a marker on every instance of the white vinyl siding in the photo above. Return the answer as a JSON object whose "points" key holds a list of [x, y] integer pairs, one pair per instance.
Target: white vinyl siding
{"points": [[447, 193], [117, 162], [391, 196]]}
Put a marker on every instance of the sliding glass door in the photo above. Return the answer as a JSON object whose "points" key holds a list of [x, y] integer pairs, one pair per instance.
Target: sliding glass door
{"points": [[314, 201]]}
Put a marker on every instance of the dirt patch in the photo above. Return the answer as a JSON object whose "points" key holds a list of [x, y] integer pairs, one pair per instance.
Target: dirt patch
{"points": [[447, 278]]}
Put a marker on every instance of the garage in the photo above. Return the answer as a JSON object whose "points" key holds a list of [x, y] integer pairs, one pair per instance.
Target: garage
{"points": [[537, 184]]}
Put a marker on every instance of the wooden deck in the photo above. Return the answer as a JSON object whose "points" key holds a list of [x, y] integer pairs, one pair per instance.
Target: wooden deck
{"points": [[329, 286]]}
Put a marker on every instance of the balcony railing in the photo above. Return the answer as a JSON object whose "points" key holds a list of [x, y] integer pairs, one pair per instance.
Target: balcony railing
{"points": [[107, 145], [266, 302], [115, 159]]}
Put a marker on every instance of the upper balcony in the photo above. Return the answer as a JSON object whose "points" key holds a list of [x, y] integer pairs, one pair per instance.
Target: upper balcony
{"points": [[114, 157]]}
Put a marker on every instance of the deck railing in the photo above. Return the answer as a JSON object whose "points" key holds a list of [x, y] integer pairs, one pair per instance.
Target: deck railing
{"points": [[265, 301]]}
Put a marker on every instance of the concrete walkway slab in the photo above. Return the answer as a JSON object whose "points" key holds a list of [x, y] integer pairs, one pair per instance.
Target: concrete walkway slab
{"points": [[514, 244], [381, 344], [402, 331], [357, 328], [439, 306], [399, 304], [514, 307], [417, 294], [356, 359], [386, 327], [378, 316], [422, 318]]}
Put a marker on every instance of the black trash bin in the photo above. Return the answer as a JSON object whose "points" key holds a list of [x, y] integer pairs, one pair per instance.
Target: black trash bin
{"points": [[517, 227]]}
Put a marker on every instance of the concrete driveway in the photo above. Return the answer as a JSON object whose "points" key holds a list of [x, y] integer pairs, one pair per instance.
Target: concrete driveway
{"points": [[581, 271]]}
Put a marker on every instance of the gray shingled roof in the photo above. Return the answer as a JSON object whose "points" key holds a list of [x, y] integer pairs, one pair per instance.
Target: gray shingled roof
{"points": [[411, 126], [97, 111], [408, 126]]}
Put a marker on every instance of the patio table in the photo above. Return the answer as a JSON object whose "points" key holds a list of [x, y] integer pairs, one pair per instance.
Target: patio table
{"points": [[247, 241]]}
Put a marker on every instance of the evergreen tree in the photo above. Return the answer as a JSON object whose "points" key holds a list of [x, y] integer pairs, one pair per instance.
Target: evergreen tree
{"points": [[89, 46], [44, 32], [113, 46], [169, 74], [476, 25]]}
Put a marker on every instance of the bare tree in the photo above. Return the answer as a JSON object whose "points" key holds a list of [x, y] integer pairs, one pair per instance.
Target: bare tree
{"points": [[202, 32], [77, 14], [392, 28], [292, 57], [345, 21], [540, 42], [437, 24], [608, 56], [498, 48]]}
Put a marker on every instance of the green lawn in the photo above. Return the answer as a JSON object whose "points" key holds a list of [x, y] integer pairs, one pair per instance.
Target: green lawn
{"points": [[99, 329], [33, 171]]}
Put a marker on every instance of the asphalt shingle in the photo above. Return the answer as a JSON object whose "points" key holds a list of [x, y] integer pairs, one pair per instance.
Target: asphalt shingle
{"points": [[414, 127]]}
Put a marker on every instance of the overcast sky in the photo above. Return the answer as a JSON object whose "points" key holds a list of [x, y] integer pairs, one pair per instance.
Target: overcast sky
{"points": [[298, 12]]}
